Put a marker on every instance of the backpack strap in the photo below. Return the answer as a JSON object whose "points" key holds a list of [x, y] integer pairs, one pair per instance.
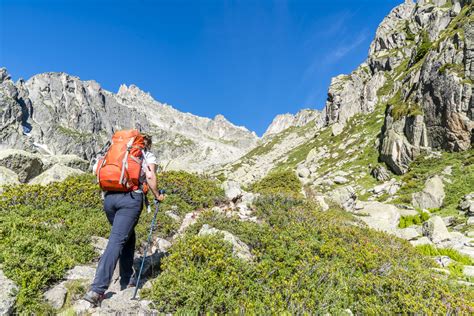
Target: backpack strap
{"points": [[125, 159]]}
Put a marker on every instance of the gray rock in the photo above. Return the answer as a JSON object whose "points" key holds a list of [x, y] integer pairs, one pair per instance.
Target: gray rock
{"points": [[284, 121], [56, 295], [173, 216], [443, 261], [470, 220], [99, 244], [421, 241], [432, 195], [448, 220], [81, 273], [7, 294], [380, 173], [337, 129], [162, 245], [239, 248], [345, 197], [321, 202], [303, 172], [71, 161], [380, 216], [407, 212], [396, 150], [24, 164], [468, 271], [340, 180], [56, 173], [467, 204], [435, 229], [409, 233], [188, 220], [232, 189], [7, 176]]}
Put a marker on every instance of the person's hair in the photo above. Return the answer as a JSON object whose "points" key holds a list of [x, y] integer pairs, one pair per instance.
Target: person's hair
{"points": [[148, 140]]}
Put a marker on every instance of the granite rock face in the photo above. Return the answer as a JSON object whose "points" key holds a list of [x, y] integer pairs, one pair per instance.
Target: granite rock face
{"points": [[284, 121], [57, 114], [422, 56]]}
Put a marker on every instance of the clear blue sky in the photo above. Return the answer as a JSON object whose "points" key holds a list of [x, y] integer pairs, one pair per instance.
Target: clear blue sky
{"points": [[248, 60]]}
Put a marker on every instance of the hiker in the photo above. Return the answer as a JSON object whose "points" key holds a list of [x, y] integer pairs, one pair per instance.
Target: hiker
{"points": [[122, 208]]}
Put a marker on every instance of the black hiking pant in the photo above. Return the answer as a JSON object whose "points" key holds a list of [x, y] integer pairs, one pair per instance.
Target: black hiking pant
{"points": [[123, 211]]}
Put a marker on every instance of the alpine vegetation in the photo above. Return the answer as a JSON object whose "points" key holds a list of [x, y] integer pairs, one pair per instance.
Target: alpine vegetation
{"points": [[363, 207]]}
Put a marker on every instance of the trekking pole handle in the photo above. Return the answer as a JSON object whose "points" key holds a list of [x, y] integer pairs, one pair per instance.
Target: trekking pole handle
{"points": [[161, 192]]}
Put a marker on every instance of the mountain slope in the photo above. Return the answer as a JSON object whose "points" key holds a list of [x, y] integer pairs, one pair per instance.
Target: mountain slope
{"points": [[56, 113], [413, 94]]}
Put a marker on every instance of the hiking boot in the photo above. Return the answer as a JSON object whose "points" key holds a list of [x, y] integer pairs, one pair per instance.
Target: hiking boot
{"points": [[94, 298]]}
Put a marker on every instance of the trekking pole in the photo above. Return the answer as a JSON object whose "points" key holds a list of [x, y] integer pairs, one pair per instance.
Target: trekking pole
{"points": [[147, 244]]}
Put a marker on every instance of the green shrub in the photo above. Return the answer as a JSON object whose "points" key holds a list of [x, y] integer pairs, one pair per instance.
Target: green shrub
{"points": [[45, 230], [409, 220], [305, 261], [423, 47], [189, 191], [283, 182], [410, 35], [400, 108], [429, 250]]}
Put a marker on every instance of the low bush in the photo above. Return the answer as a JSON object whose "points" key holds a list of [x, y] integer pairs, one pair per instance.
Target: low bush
{"points": [[187, 192], [282, 182], [429, 250], [45, 230], [407, 221], [305, 261]]}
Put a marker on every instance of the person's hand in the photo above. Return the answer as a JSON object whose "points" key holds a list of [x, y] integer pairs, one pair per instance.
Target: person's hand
{"points": [[159, 198]]}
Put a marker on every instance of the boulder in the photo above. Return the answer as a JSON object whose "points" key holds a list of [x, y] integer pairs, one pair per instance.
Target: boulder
{"points": [[340, 180], [81, 273], [337, 129], [173, 216], [188, 220], [55, 174], [302, 171], [232, 189], [432, 195], [467, 204], [239, 248], [99, 244], [468, 271], [380, 216], [344, 197], [470, 220], [56, 295], [162, 245], [380, 173], [72, 161], [409, 233], [435, 229], [7, 176], [421, 241], [7, 294], [26, 165], [321, 202], [443, 261]]}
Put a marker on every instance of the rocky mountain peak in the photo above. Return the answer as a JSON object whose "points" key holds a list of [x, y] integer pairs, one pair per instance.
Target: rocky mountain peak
{"points": [[132, 92], [4, 74], [284, 121]]}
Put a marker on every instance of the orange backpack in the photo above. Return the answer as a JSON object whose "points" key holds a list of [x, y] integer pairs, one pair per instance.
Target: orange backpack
{"points": [[120, 168]]}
